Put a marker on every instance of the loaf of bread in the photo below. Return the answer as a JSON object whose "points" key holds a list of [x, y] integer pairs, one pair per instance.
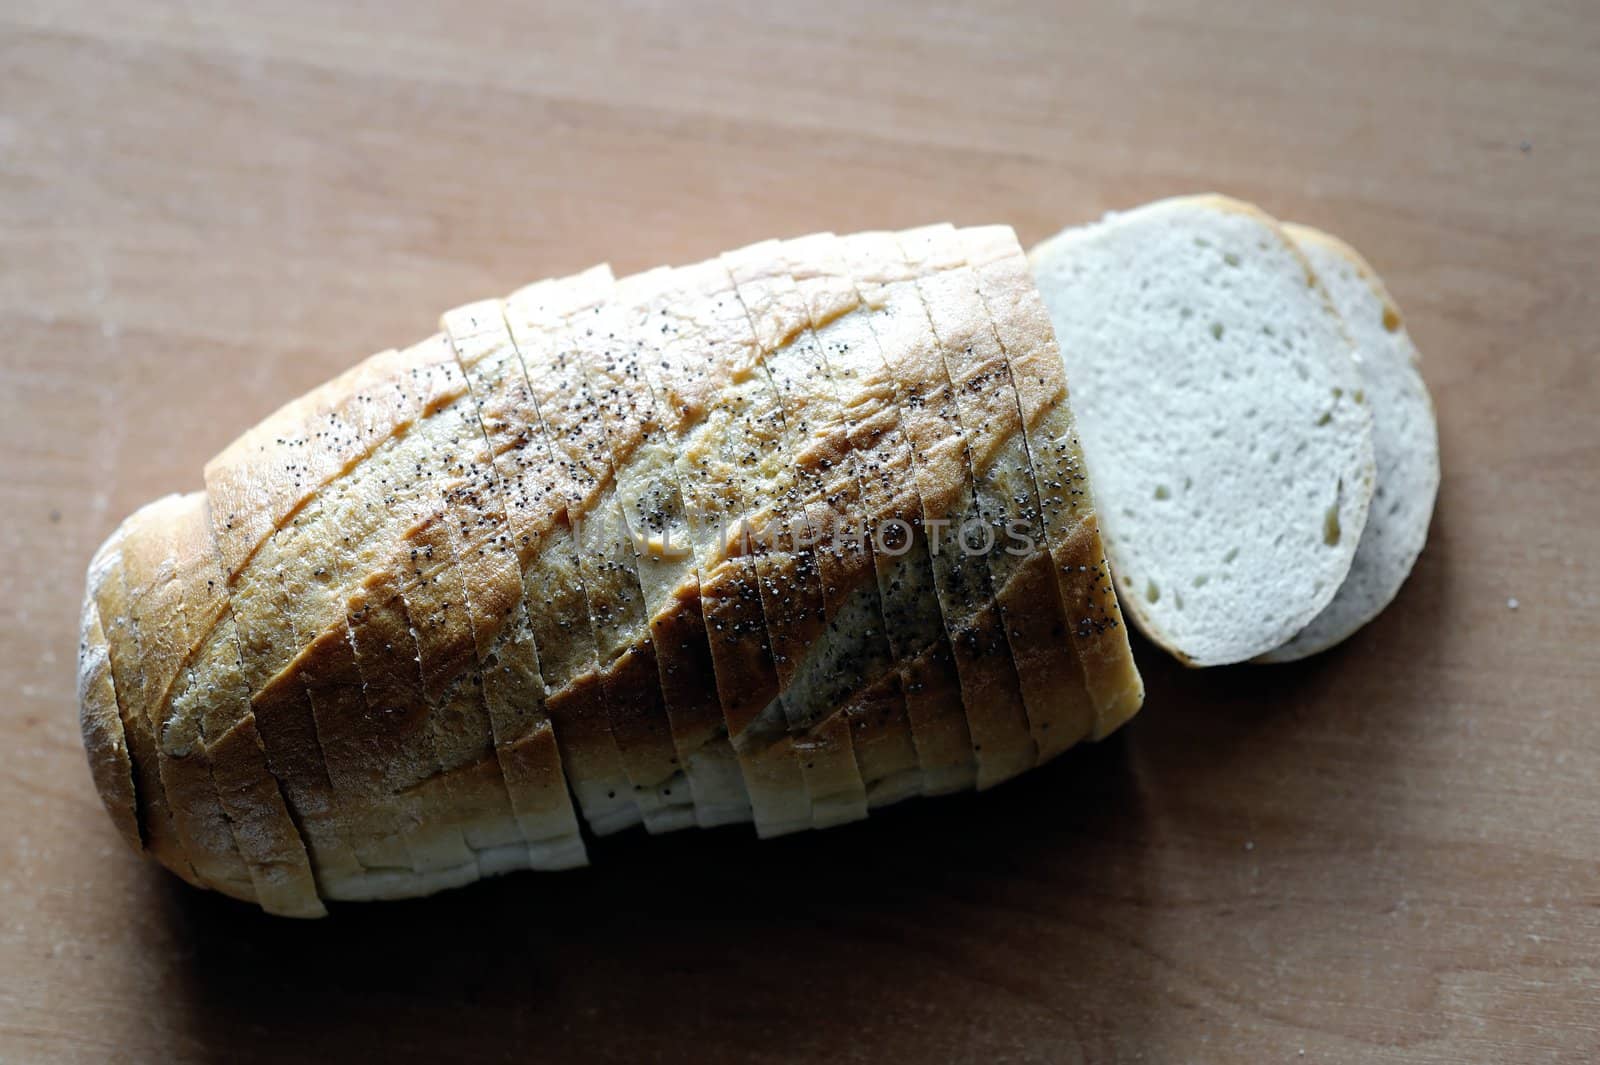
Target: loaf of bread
{"points": [[779, 537]]}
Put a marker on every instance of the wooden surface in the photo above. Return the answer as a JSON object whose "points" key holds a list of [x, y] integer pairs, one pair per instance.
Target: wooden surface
{"points": [[1390, 853]]}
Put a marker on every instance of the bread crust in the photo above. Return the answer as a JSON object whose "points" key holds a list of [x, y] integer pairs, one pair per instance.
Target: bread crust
{"points": [[886, 492], [841, 748], [271, 844], [1099, 639], [996, 718], [583, 478], [698, 338], [104, 741], [560, 643], [271, 470], [523, 739], [154, 810], [1020, 568], [652, 506], [163, 546], [305, 600]]}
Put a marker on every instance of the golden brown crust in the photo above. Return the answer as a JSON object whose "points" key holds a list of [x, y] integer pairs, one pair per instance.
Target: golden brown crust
{"points": [[886, 493], [379, 671], [109, 590], [291, 603], [550, 335], [1393, 320], [164, 545], [560, 642], [802, 587], [1083, 578], [996, 718], [270, 844], [103, 739], [262, 478], [535, 659], [1037, 631], [625, 714], [216, 698], [651, 505], [491, 588], [440, 612], [697, 338]]}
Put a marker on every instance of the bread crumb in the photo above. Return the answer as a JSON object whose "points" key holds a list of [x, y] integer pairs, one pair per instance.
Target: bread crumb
{"points": [[1512, 603]]}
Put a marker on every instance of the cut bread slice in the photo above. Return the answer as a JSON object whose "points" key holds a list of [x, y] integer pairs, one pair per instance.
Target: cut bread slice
{"points": [[997, 722], [1011, 538], [582, 475], [156, 817], [270, 516], [450, 589], [1223, 424], [848, 672], [801, 616], [887, 500], [1405, 440], [334, 579], [1082, 576], [217, 703], [652, 506], [843, 687], [105, 742], [491, 587], [552, 646], [163, 544], [700, 363]]}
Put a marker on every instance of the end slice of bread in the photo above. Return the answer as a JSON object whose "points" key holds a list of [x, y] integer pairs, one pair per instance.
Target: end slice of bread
{"points": [[1220, 405], [1405, 439]]}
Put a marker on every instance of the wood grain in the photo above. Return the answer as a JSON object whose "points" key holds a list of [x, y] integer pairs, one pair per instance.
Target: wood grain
{"points": [[1389, 853]]}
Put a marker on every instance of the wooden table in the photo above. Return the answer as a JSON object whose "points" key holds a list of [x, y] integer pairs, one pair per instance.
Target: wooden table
{"points": [[1389, 853]]}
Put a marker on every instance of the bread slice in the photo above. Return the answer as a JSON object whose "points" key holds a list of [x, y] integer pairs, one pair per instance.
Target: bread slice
{"points": [[215, 702], [582, 475], [697, 340], [156, 818], [272, 502], [652, 506], [1405, 439], [1222, 418], [341, 596], [456, 586], [165, 541], [845, 682], [879, 491], [1082, 577], [105, 742], [804, 585], [491, 586], [1012, 537], [997, 720], [550, 647]]}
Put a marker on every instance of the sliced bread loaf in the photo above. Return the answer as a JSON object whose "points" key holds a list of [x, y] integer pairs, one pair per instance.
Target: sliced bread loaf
{"points": [[1405, 441], [1219, 401]]}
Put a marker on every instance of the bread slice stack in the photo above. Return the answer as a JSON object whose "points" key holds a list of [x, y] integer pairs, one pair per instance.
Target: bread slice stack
{"points": [[780, 537], [1262, 445]]}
